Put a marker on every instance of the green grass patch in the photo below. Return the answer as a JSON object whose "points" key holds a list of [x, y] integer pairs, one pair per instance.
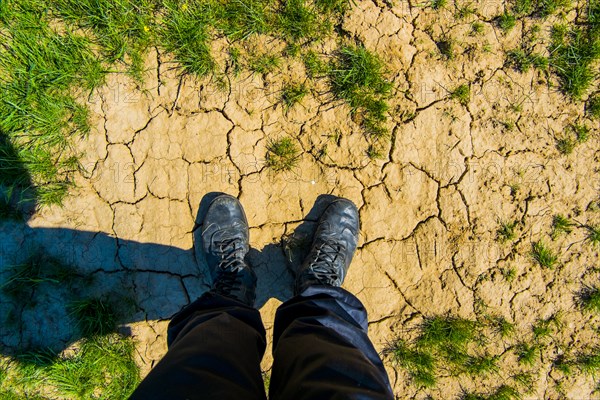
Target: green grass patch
{"points": [[566, 145], [593, 235], [477, 28], [298, 20], [593, 106], [357, 76], [101, 368], [438, 4], [589, 299], [185, 32], [446, 48], [589, 362], [527, 354], [94, 316], [462, 93], [506, 231], [542, 328], [239, 19], [121, 28], [582, 133], [522, 60], [375, 152], [293, 94], [338, 7], [264, 63], [524, 380], [502, 327], [453, 331], [506, 21], [464, 11], [573, 51], [543, 256], [419, 363], [446, 345], [24, 278], [503, 392], [538, 8], [39, 114], [561, 225], [282, 154], [484, 364], [509, 273], [315, 65]]}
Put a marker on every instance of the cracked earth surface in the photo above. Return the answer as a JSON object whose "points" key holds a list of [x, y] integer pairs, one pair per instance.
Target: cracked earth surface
{"points": [[429, 209]]}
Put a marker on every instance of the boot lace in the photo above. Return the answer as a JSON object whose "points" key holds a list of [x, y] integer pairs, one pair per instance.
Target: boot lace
{"points": [[230, 252], [323, 267]]}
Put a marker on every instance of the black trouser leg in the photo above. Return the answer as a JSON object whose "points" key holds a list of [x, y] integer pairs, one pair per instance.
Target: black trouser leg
{"points": [[215, 348], [321, 349]]}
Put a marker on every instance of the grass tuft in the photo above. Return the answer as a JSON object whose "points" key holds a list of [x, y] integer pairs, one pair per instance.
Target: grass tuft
{"points": [[293, 94], [525, 380], [542, 328], [39, 268], [563, 364], [374, 152], [446, 48], [94, 317], [477, 28], [419, 363], [589, 299], [573, 51], [582, 133], [297, 20], [539, 8], [593, 235], [527, 353], [264, 63], [509, 274], [453, 331], [462, 93], [523, 60], [282, 154], [184, 31], [506, 21], [565, 145], [560, 225], [438, 4], [502, 327], [543, 255], [504, 392], [357, 76], [589, 363], [315, 66], [478, 365], [239, 19], [593, 106], [506, 231]]}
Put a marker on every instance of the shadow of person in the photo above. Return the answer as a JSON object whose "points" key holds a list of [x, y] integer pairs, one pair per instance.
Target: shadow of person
{"points": [[43, 271]]}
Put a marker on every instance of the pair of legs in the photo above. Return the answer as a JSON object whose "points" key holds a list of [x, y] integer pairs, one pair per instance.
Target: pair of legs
{"points": [[320, 345]]}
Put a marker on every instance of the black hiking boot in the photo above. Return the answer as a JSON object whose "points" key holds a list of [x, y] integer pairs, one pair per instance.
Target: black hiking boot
{"points": [[332, 249], [224, 244]]}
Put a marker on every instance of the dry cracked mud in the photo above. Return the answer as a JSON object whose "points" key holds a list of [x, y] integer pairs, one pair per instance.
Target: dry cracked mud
{"points": [[430, 209]]}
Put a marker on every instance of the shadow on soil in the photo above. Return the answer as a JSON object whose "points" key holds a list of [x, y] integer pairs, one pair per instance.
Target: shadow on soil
{"points": [[44, 271]]}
